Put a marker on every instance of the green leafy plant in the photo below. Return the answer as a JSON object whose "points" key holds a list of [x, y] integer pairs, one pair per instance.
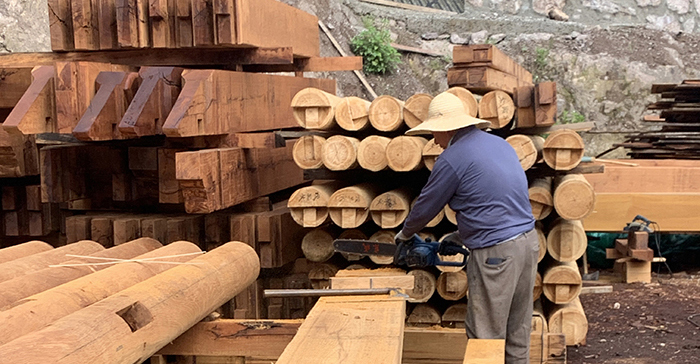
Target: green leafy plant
{"points": [[541, 58], [572, 117], [374, 45]]}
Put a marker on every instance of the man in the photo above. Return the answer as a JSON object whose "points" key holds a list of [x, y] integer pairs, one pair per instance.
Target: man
{"points": [[479, 175]]}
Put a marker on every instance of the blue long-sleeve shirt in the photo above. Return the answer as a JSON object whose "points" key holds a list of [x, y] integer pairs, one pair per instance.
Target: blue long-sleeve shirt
{"points": [[480, 176]]}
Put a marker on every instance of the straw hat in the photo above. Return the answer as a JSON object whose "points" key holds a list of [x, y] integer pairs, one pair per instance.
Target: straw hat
{"points": [[446, 113]]}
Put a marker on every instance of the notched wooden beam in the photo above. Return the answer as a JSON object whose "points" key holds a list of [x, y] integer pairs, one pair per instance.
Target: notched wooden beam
{"points": [[35, 112], [152, 103]]}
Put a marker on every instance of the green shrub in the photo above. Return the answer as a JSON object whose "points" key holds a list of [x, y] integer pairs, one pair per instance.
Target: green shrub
{"points": [[572, 117], [374, 45]]}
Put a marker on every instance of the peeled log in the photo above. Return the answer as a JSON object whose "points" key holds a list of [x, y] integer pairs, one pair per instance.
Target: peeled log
{"points": [[23, 266], [320, 275], [542, 240], [309, 205], [570, 320], [423, 287], [528, 148], [383, 236], [498, 108], [537, 290], [390, 209], [386, 113], [317, 245], [431, 152], [540, 191], [424, 315], [23, 250], [561, 282], [47, 278], [452, 286], [468, 99], [405, 153], [450, 215], [339, 153], [352, 113], [455, 316], [132, 325], [566, 240], [308, 151], [349, 206], [38, 311], [315, 109], [563, 149], [371, 154], [574, 197], [415, 110]]}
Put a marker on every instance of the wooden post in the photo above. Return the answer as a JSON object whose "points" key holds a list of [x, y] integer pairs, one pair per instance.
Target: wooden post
{"points": [[339, 153], [315, 109], [317, 245], [23, 250], [424, 286], [528, 148], [371, 153], [424, 315], [567, 240], [85, 24], [498, 108], [352, 113], [471, 105], [308, 151], [561, 282], [387, 237], [431, 152], [405, 153], [386, 113], [540, 191], [452, 286], [574, 197], [309, 205], [569, 319], [563, 149], [415, 109], [349, 206], [390, 209]]}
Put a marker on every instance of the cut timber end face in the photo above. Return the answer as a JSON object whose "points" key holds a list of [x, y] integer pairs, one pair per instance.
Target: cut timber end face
{"points": [[386, 113], [371, 153], [471, 105], [454, 316], [528, 148], [574, 197], [498, 108], [314, 108], [352, 113], [317, 245], [320, 275], [339, 153], [431, 152], [424, 286], [349, 206], [424, 315], [308, 152], [390, 209], [567, 240], [405, 153], [452, 286], [563, 150], [416, 109], [562, 282], [383, 236], [540, 192], [436, 220], [569, 319], [309, 205]]}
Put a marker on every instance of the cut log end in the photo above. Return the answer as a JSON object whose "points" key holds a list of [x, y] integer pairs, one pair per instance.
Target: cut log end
{"points": [[352, 113], [416, 109], [308, 152], [371, 153], [386, 113], [471, 105]]}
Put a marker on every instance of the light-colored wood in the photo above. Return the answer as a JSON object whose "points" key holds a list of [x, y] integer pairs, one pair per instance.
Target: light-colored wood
{"points": [[317, 245], [415, 109], [315, 109], [450, 258], [376, 336], [352, 113], [537, 290], [371, 153], [144, 312], [339, 153], [23, 250], [485, 351], [378, 272], [489, 55], [162, 19], [664, 177], [203, 23], [540, 191], [308, 151], [424, 286], [561, 282], [574, 197], [390, 209], [542, 240], [455, 315], [309, 205], [566, 241], [35, 111], [563, 149], [320, 275], [399, 281], [423, 315], [383, 236], [569, 319], [152, 102], [596, 290], [498, 108], [539, 320], [431, 152], [386, 113], [452, 286], [528, 148], [405, 153], [450, 215], [349, 206], [471, 105], [32, 263]]}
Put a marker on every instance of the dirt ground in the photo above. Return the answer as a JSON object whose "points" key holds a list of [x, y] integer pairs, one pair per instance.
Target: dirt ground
{"points": [[643, 323]]}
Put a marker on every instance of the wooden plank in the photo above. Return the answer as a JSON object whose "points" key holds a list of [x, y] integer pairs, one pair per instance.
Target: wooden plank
{"points": [[425, 52], [35, 111], [313, 64], [490, 56], [485, 351], [61, 25], [647, 179], [85, 24], [152, 102], [482, 79], [162, 19], [377, 335], [404, 282]]}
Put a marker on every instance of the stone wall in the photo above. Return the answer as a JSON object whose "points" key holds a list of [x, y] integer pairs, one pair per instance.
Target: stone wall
{"points": [[24, 26]]}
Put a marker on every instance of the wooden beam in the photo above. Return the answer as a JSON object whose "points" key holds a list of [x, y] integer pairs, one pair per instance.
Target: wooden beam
{"points": [[489, 55], [485, 351], [647, 179], [61, 25], [483, 79], [14, 81], [152, 102], [35, 111], [313, 64]]}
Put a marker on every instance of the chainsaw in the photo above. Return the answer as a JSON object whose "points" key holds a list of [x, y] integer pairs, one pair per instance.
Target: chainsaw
{"points": [[413, 253]]}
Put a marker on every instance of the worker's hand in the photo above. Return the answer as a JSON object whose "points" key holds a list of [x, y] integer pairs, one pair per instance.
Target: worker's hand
{"points": [[401, 238]]}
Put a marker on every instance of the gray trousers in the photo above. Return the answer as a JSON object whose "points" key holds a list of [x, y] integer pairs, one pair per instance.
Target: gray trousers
{"points": [[500, 294]]}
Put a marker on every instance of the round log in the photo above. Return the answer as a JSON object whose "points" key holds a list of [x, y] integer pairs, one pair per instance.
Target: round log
{"points": [[32, 263], [455, 315], [471, 105], [386, 113], [423, 287], [436, 220], [405, 153], [390, 209], [563, 150], [320, 275], [452, 286], [24, 286], [539, 320], [574, 197], [354, 234], [309, 205], [449, 258], [450, 215], [317, 245], [540, 191], [569, 319], [537, 290], [37, 311], [308, 151], [431, 152], [528, 148], [566, 240], [339, 153], [383, 236], [134, 324], [371, 154], [561, 282], [415, 110], [23, 250], [543, 241], [352, 113], [498, 108], [426, 235], [315, 109], [349, 206], [424, 315]]}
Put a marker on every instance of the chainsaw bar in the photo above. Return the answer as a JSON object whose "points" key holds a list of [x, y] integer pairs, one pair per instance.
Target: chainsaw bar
{"points": [[364, 247]]}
